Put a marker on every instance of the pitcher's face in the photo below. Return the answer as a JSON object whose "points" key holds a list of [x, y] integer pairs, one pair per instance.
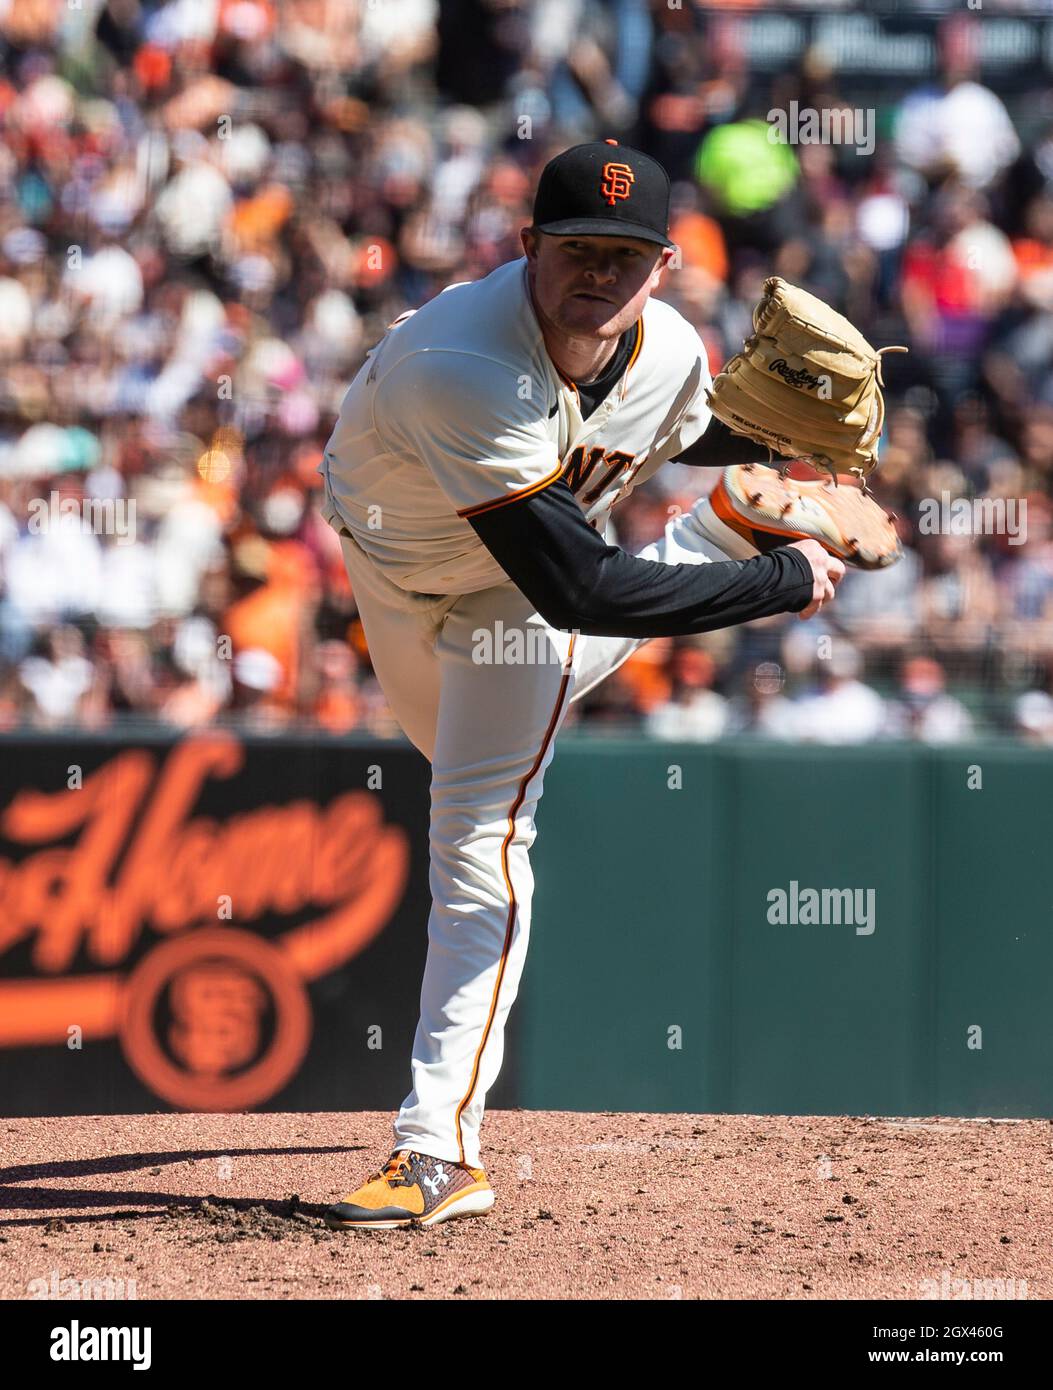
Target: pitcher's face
{"points": [[592, 286]]}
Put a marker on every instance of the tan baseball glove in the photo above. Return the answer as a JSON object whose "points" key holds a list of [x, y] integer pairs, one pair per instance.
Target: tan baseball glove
{"points": [[807, 384]]}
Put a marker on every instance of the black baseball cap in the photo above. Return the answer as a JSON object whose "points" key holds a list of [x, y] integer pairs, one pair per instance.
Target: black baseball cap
{"points": [[604, 189]]}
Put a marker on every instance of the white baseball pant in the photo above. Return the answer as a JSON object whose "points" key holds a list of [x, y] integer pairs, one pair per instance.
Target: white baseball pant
{"points": [[488, 729]]}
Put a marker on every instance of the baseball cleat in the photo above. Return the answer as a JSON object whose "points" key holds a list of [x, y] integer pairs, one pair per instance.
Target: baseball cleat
{"points": [[755, 508], [413, 1189]]}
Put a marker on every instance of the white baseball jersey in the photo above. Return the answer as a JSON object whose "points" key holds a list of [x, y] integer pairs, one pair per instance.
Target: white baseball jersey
{"points": [[459, 410]]}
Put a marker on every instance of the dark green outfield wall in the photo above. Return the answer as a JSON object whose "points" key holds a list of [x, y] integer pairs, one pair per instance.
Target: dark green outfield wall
{"points": [[651, 912]]}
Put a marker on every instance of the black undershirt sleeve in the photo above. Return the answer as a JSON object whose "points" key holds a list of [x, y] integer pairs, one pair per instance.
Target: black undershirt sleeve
{"points": [[719, 447], [577, 581]]}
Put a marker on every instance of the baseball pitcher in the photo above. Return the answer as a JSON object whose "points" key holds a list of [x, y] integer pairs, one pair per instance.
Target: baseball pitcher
{"points": [[478, 455]]}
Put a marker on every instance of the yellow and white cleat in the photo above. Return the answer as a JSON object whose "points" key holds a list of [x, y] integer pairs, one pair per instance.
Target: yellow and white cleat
{"points": [[413, 1189]]}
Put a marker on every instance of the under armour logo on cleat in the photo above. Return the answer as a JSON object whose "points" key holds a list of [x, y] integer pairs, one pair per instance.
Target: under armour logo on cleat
{"points": [[441, 1178]]}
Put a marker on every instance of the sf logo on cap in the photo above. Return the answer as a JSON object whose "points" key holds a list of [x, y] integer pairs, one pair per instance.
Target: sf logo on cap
{"points": [[617, 182]]}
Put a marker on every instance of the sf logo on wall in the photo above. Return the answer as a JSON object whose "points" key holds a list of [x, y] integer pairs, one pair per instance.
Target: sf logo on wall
{"points": [[133, 915]]}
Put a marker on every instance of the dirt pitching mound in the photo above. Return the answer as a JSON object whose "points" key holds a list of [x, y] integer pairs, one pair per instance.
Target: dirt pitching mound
{"points": [[588, 1206]]}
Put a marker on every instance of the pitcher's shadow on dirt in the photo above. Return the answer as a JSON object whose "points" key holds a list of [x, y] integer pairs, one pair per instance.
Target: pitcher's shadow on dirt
{"points": [[121, 1204]]}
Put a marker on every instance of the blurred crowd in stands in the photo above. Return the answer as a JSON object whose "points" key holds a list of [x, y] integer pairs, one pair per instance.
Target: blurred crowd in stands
{"points": [[211, 209]]}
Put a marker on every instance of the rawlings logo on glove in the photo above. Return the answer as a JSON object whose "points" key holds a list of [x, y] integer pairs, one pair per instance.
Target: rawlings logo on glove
{"points": [[800, 377]]}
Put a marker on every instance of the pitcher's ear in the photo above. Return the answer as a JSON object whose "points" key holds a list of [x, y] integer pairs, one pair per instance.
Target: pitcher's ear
{"points": [[666, 257]]}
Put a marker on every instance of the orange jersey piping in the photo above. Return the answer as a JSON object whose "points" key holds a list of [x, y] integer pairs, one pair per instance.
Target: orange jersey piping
{"points": [[504, 500]]}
